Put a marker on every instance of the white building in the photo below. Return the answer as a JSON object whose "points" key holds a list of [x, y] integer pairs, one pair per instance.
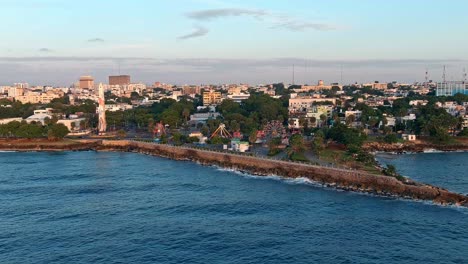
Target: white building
{"points": [[8, 120], [118, 107], [203, 117], [73, 124], [40, 116], [357, 114], [239, 146], [238, 98]]}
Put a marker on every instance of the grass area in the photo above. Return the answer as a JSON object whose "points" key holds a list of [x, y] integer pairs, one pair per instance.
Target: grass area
{"points": [[298, 157], [27, 142], [343, 158], [273, 152]]}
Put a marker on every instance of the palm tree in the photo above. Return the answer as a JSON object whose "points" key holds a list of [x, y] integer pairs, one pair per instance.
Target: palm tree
{"points": [[186, 114], [323, 118], [253, 137], [350, 119], [313, 120]]}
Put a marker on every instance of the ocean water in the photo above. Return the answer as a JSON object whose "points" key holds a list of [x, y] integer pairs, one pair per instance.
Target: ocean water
{"points": [[448, 170], [88, 207]]}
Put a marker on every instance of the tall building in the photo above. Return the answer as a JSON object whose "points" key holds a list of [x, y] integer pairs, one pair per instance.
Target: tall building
{"points": [[86, 82], [212, 98], [449, 88], [119, 80]]}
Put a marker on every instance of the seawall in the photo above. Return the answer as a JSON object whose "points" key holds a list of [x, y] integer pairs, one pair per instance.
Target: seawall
{"points": [[343, 179], [339, 178]]}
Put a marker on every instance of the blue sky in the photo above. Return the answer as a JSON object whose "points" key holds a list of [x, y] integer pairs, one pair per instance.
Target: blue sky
{"points": [[215, 41]]}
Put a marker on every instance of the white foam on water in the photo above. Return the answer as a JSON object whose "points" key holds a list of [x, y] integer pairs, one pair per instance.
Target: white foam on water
{"points": [[309, 182]]}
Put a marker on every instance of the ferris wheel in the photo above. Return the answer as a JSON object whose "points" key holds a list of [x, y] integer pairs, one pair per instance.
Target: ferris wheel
{"points": [[274, 129]]}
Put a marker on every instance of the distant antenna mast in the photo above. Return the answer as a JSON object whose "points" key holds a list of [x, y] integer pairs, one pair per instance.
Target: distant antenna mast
{"points": [[293, 75], [426, 79], [341, 74], [444, 75], [464, 75], [306, 70]]}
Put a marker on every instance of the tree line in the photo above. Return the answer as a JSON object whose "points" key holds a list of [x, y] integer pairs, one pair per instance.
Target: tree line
{"points": [[15, 129]]}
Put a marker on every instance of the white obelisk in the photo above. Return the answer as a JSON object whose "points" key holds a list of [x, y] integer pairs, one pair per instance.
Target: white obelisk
{"points": [[102, 126]]}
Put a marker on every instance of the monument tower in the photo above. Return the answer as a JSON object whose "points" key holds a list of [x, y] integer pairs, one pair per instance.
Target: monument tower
{"points": [[102, 126]]}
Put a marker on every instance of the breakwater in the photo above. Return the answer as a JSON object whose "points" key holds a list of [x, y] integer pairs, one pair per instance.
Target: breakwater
{"points": [[339, 178]]}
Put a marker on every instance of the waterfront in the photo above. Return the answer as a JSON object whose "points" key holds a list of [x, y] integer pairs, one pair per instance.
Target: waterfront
{"points": [[444, 169], [93, 207]]}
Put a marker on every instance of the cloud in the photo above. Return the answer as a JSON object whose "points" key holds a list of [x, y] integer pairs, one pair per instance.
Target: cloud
{"points": [[278, 21], [198, 32], [96, 40], [209, 14], [45, 50], [303, 25], [65, 70]]}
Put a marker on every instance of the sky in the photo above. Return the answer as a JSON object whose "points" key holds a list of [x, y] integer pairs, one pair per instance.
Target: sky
{"points": [[53, 42]]}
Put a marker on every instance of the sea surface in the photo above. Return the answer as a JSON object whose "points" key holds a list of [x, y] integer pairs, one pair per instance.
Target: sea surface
{"points": [[89, 207], [444, 169]]}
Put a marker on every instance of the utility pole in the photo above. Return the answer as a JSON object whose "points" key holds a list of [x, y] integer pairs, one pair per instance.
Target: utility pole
{"points": [[293, 75], [341, 74]]}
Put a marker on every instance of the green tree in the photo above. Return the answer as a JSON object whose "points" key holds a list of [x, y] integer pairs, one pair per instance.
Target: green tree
{"points": [[253, 137], [178, 139], [350, 119], [30, 131], [57, 131], [205, 130], [121, 134], [186, 114], [323, 118], [216, 140], [390, 170], [391, 138], [347, 136], [297, 144], [273, 146], [317, 143]]}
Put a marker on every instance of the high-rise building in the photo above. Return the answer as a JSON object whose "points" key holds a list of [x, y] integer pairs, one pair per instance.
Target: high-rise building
{"points": [[450, 88], [119, 80], [212, 98], [86, 82]]}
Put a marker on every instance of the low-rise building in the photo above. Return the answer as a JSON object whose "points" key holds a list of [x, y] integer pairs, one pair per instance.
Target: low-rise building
{"points": [[203, 117], [357, 114], [8, 120], [73, 124], [239, 146], [303, 104]]}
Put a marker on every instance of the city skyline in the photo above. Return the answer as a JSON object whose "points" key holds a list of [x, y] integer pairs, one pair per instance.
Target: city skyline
{"points": [[214, 41]]}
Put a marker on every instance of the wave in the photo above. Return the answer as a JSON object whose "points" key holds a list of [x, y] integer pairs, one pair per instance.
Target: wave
{"points": [[332, 187]]}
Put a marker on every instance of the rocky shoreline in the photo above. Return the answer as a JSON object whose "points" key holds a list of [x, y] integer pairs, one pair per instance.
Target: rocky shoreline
{"points": [[350, 180], [413, 147]]}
